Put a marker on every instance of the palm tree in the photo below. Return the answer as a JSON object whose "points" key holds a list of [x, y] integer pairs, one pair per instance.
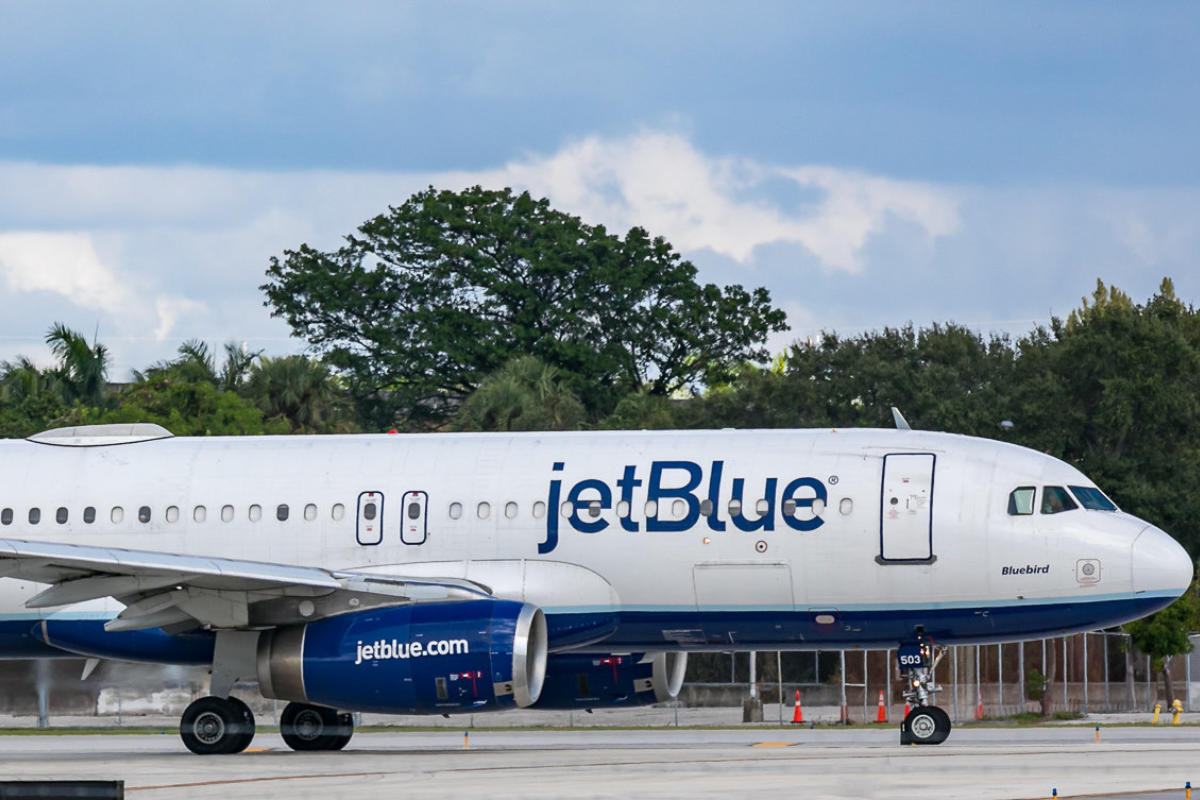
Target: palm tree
{"points": [[526, 394], [82, 368], [301, 390]]}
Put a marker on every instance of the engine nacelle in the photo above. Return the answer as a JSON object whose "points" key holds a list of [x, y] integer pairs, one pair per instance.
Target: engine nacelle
{"points": [[599, 681], [427, 658]]}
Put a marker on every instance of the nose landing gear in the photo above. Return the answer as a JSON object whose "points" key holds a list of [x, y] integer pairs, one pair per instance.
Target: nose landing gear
{"points": [[925, 723]]}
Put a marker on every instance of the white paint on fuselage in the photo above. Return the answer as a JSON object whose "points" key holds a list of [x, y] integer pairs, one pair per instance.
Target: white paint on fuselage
{"points": [[833, 565]]}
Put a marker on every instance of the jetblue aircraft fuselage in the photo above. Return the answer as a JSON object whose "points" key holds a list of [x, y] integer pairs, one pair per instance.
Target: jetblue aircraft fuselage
{"points": [[641, 542]]}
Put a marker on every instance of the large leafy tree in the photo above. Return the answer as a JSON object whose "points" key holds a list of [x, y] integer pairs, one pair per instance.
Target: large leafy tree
{"points": [[427, 300], [1115, 390]]}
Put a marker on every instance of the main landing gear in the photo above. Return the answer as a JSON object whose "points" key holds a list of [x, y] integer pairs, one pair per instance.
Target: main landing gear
{"points": [[225, 725], [925, 723]]}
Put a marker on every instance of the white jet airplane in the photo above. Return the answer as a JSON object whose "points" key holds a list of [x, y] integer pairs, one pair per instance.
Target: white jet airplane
{"points": [[462, 573]]}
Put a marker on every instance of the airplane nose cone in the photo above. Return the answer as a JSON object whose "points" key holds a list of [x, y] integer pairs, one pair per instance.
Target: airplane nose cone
{"points": [[1160, 564]]}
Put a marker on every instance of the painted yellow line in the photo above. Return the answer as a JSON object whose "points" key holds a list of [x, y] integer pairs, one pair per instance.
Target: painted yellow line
{"points": [[256, 750], [775, 744]]}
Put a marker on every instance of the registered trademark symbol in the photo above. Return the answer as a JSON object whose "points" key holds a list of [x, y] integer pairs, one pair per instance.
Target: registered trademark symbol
{"points": [[833, 479]]}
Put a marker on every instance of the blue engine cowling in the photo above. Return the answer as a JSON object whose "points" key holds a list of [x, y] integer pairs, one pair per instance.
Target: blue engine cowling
{"points": [[599, 681], [427, 658]]}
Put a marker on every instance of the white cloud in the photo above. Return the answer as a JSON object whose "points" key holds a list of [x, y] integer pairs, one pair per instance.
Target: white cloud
{"points": [[64, 263], [170, 309], [663, 183]]}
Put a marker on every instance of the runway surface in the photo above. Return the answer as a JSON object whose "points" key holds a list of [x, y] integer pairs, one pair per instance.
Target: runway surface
{"points": [[1007, 764]]}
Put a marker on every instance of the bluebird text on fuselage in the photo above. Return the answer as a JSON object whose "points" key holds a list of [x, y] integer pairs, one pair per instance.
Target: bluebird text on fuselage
{"points": [[669, 481]]}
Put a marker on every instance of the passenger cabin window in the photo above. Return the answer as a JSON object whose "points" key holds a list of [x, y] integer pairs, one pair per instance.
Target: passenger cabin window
{"points": [[1056, 500], [337, 512], [60, 516], [6, 517], [455, 510], [35, 516], [483, 511], [172, 514], [281, 513], [414, 510], [369, 511], [539, 509], [199, 513], [1020, 502], [226, 513], [117, 515], [1092, 498], [144, 514], [255, 513], [310, 512], [789, 508], [89, 515]]}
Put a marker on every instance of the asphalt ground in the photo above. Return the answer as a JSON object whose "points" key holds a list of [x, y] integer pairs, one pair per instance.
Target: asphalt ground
{"points": [[977, 762]]}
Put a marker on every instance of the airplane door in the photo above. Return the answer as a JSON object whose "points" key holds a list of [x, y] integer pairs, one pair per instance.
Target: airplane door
{"points": [[370, 518], [413, 529], [906, 519]]}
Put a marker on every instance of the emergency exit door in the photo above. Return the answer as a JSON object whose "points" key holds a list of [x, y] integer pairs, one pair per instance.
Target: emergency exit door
{"points": [[906, 519], [414, 529]]}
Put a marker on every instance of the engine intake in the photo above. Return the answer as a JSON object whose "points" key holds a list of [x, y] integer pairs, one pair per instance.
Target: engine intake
{"points": [[427, 658]]}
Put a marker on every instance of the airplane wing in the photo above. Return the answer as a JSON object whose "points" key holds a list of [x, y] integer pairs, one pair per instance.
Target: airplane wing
{"points": [[178, 592]]}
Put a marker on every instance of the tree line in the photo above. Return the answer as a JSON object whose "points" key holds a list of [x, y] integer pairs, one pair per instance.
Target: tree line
{"points": [[492, 311]]}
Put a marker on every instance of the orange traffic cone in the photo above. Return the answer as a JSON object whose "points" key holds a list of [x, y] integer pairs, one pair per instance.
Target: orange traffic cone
{"points": [[881, 715], [978, 704], [907, 708], [797, 715]]}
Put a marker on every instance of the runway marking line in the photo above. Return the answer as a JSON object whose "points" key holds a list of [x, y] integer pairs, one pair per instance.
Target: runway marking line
{"points": [[255, 780]]}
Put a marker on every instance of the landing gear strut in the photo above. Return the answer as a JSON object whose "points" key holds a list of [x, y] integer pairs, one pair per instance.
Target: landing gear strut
{"points": [[925, 723], [307, 727], [217, 726]]}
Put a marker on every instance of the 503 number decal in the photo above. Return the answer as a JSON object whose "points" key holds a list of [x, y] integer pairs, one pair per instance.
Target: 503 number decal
{"points": [[910, 657]]}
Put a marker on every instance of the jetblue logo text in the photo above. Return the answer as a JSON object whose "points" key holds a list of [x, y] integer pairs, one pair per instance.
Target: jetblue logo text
{"points": [[682, 481], [385, 649]]}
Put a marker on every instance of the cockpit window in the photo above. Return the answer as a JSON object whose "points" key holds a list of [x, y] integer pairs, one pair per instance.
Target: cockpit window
{"points": [[1055, 499], [1093, 498], [1021, 501]]}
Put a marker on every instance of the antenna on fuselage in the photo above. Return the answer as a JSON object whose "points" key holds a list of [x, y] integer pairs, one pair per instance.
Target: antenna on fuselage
{"points": [[901, 422]]}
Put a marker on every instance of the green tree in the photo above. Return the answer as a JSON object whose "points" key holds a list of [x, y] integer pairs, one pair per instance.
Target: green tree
{"points": [[1166, 634], [1115, 390], [526, 394], [300, 391], [82, 368], [945, 377], [187, 408], [196, 362], [429, 299]]}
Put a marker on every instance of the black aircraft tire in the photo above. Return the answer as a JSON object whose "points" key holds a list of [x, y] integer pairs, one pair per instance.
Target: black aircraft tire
{"points": [[214, 726], [307, 728], [247, 723], [345, 731], [925, 725]]}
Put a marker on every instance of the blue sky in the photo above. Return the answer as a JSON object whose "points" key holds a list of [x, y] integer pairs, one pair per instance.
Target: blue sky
{"points": [[870, 163]]}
